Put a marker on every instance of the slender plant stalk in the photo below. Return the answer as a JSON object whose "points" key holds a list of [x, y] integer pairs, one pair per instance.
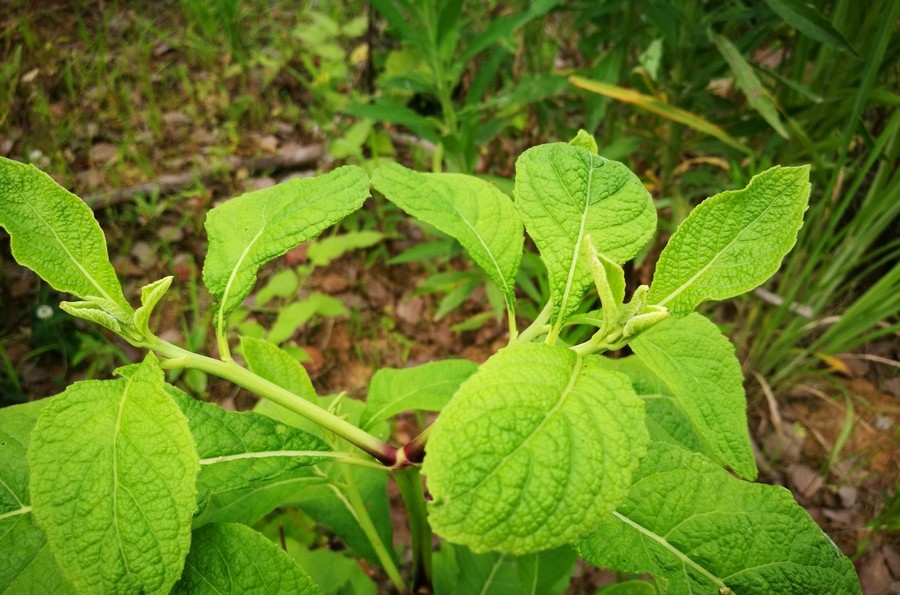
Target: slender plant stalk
{"points": [[368, 527], [511, 320], [536, 328], [410, 484], [230, 370]]}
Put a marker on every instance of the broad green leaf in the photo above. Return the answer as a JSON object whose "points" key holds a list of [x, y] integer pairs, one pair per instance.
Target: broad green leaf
{"points": [[481, 217], [427, 387], [334, 572], [459, 571], [532, 450], [150, 296], [325, 501], [250, 504], [113, 470], [757, 95], [293, 316], [26, 563], [54, 233], [232, 558], [689, 522], [564, 193], [733, 241], [254, 228], [654, 105], [243, 450], [666, 421], [698, 366], [276, 365], [810, 21]]}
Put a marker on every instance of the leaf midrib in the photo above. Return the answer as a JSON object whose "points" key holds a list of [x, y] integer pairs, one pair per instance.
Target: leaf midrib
{"points": [[563, 306], [664, 543], [234, 272]]}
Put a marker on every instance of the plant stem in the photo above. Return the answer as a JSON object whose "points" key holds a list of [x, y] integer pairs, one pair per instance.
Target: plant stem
{"points": [[511, 316], [368, 527], [230, 370], [413, 452], [410, 484], [538, 327]]}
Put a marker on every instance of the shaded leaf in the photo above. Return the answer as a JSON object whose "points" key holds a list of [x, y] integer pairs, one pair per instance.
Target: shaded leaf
{"points": [[698, 366], [689, 522], [243, 450], [232, 558], [324, 500], [26, 563], [459, 571], [427, 387]]}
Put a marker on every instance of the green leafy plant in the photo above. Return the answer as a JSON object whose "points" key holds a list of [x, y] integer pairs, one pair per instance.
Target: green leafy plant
{"points": [[439, 48], [545, 450]]}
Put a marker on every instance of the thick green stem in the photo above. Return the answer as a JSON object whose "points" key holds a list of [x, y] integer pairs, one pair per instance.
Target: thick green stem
{"points": [[229, 370], [410, 484], [368, 527]]}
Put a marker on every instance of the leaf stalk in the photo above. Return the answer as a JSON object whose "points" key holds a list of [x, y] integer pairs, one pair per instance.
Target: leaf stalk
{"points": [[230, 370]]}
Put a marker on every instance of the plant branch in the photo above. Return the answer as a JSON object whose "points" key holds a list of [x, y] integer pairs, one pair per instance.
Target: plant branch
{"points": [[538, 327], [230, 370], [413, 452], [410, 484], [365, 522]]}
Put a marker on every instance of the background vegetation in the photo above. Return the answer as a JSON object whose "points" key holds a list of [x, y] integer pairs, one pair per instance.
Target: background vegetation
{"points": [[192, 101]]}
